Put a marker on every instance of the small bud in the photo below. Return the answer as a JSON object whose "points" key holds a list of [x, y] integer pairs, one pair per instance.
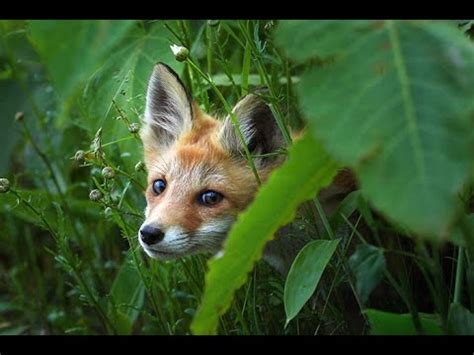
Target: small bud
{"points": [[108, 212], [139, 166], [80, 155], [134, 128], [213, 23], [108, 172], [4, 185], [95, 195], [180, 53], [19, 116], [268, 26]]}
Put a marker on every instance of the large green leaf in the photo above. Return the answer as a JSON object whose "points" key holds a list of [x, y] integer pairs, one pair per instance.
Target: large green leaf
{"points": [[128, 295], [17, 64], [119, 87], [108, 63], [461, 321], [368, 265], [308, 169], [72, 50], [386, 323], [305, 273], [395, 102]]}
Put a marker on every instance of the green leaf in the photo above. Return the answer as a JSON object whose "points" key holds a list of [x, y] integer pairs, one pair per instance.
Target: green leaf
{"points": [[407, 89], [346, 208], [305, 273], [303, 40], [386, 323], [460, 320], [309, 168], [118, 88], [458, 237], [72, 50], [128, 295], [368, 265]]}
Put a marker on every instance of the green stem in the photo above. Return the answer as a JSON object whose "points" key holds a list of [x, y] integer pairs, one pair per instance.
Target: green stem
{"points": [[235, 121], [459, 276], [36, 212], [209, 48]]}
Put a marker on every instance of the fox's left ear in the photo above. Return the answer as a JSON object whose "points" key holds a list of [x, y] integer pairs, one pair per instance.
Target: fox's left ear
{"points": [[258, 126], [168, 111]]}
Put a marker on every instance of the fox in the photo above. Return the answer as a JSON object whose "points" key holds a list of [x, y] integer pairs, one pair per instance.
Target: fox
{"points": [[199, 179]]}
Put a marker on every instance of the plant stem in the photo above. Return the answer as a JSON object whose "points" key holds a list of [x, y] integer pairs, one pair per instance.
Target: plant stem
{"points": [[235, 121], [459, 276]]}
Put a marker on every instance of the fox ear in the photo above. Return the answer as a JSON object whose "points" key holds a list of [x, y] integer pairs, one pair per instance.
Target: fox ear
{"points": [[168, 111], [258, 126]]}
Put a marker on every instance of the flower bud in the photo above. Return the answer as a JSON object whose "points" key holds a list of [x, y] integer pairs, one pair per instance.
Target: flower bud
{"points": [[134, 128], [108, 211], [180, 53], [4, 185], [80, 155], [95, 195], [213, 23], [19, 116], [108, 172]]}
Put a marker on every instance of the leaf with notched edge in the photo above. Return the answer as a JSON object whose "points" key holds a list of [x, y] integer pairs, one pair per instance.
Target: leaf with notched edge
{"points": [[397, 105], [309, 168]]}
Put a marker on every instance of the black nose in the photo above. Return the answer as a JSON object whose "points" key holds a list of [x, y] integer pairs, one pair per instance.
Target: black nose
{"points": [[151, 235]]}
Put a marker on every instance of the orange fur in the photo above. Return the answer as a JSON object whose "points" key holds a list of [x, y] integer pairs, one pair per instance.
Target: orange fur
{"points": [[195, 163]]}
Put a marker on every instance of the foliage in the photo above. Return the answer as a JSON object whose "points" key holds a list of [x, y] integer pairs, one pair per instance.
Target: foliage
{"points": [[392, 100]]}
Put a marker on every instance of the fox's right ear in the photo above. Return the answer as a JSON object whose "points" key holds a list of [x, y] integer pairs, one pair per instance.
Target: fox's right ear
{"points": [[168, 111]]}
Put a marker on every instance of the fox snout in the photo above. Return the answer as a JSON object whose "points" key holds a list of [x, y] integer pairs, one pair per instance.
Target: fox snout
{"points": [[164, 244], [175, 241], [151, 235]]}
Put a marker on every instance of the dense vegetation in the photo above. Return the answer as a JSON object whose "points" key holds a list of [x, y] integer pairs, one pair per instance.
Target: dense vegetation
{"points": [[392, 100]]}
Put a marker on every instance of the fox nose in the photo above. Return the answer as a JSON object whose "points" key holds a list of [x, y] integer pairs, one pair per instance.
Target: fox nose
{"points": [[151, 235]]}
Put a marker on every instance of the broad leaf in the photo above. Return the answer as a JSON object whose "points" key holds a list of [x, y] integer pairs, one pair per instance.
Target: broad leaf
{"points": [[461, 321], [309, 168], [388, 103], [368, 265], [305, 274], [128, 295], [72, 50], [386, 323], [114, 95]]}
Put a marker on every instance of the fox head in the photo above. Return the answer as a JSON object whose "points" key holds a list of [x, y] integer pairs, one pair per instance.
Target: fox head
{"points": [[198, 176]]}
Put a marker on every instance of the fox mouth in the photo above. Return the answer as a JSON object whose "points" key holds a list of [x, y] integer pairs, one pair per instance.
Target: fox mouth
{"points": [[160, 255], [164, 252]]}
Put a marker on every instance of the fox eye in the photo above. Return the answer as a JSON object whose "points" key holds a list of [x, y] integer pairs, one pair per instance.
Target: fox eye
{"points": [[210, 198], [159, 186]]}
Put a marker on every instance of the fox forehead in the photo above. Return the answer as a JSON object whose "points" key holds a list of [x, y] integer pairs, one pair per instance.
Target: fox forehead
{"points": [[196, 154], [197, 160]]}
